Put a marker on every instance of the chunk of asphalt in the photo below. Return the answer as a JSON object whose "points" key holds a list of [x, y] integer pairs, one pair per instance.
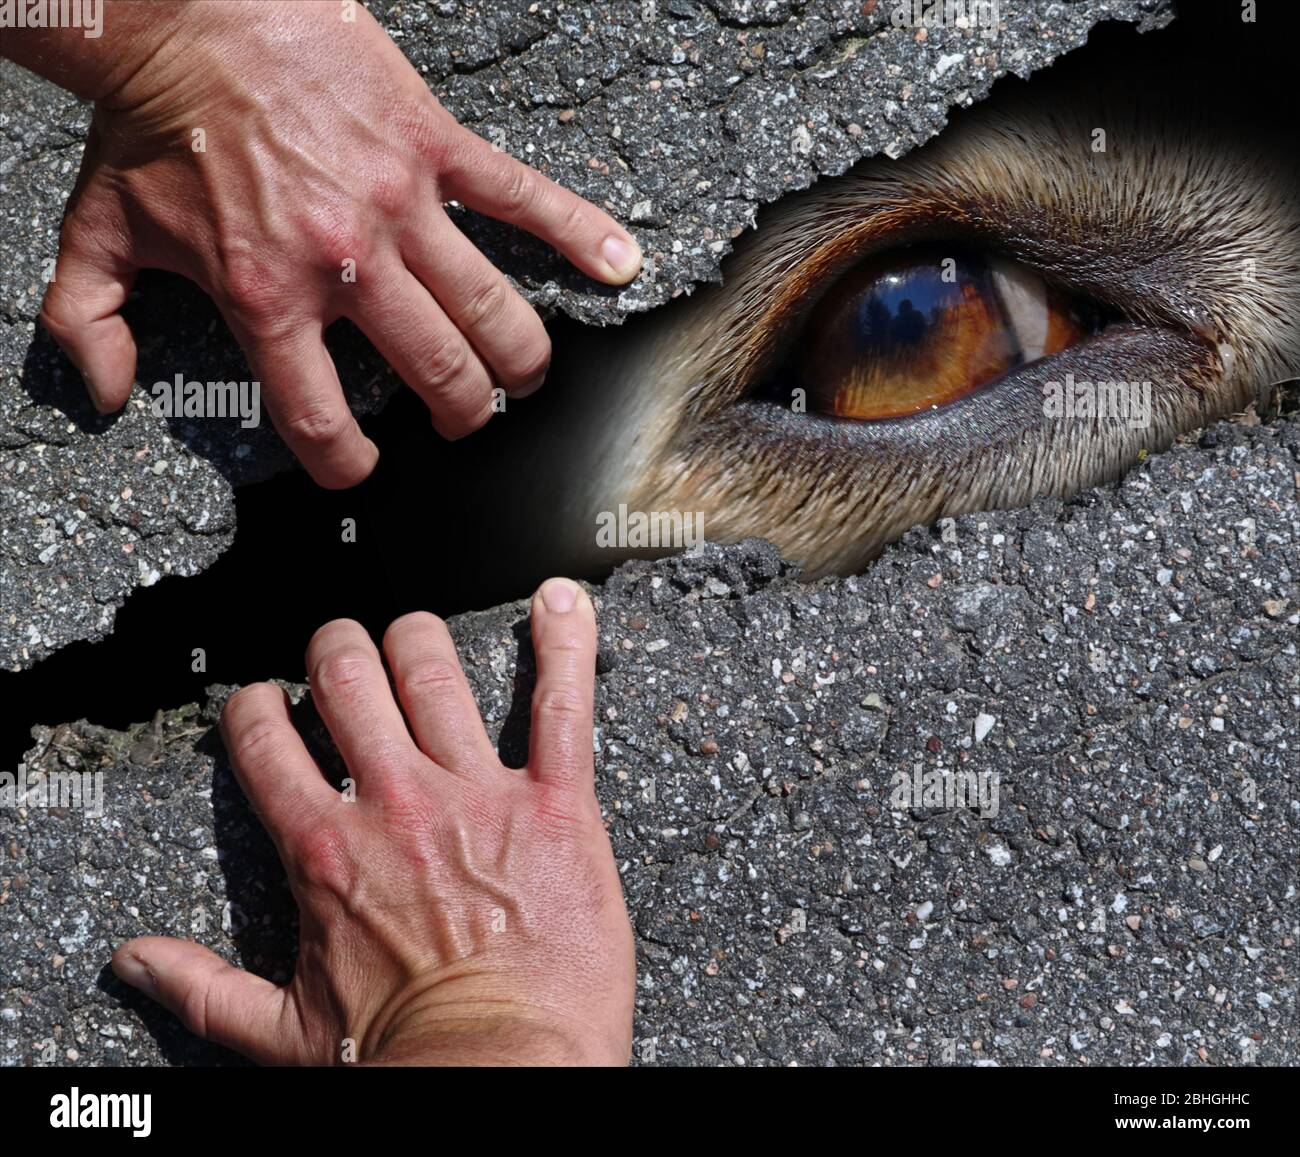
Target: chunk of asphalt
{"points": [[679, 117], [1129, 896]]}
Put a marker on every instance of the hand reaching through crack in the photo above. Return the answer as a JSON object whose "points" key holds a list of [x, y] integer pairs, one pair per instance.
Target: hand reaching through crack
{"points": [[452, 910], [288, 159]]}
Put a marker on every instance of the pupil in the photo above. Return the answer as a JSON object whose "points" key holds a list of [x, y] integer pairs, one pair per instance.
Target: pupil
{"points": [[905, 308]]}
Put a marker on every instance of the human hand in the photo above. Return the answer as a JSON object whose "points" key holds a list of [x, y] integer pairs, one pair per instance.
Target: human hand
{"points": [[459, 911], [317, 194]]}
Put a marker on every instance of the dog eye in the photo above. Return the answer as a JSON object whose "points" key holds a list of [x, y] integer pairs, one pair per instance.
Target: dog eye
{"points": [[917, 328]]}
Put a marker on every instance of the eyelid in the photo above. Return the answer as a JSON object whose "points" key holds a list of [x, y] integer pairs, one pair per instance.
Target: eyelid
{"points": [[783, 270]]}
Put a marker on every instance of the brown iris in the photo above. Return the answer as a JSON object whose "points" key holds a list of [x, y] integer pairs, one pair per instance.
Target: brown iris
{"points": [[913, 330]]}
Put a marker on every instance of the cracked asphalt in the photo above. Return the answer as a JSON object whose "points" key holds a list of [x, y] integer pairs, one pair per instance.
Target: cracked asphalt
{"points": [[681, 125], [1125, 664]]}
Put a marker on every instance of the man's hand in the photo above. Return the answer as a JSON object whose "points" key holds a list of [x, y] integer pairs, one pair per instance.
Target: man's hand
{"points": [[459, 911], [294, 165]]}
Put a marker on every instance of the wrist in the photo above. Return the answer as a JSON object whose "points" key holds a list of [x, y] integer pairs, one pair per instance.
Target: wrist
{"points": [[110, 43], [165, 45]]}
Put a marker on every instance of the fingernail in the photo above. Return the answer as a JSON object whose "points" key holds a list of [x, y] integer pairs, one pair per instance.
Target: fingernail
{"points": [[559, 595], [135, 972], [622, 255]]}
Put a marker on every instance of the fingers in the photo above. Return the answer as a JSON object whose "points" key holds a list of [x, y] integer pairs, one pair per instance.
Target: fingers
{"points": [[503, 328], [435, 694], [80, 312], [493, 182], [564, 641], [271, 762], [432, 356], [306, 403], [351, 692], [210, 997]]}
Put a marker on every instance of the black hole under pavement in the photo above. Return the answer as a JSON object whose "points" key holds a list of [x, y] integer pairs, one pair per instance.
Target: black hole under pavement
{"points": [[288, 572]]}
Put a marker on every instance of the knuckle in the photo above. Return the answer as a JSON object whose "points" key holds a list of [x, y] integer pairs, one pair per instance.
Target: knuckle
{"points": [[341, 673], [521, 192], [316, 425], [566, 642], [258, 741], [196, 1008], [331, 240], [418, 128], [322, 861], [390, 189], [249, 288], [561, 702], [411, 810], [485, 304], [430, 676], [58, 312], [446, 363], [574, 221]]}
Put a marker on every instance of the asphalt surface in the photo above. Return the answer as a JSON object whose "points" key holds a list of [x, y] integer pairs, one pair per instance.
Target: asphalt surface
{"points": [[681, 125], [1124, 663]]}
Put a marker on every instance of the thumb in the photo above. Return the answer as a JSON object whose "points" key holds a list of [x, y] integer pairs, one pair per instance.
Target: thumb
{"points": [[211, 998], [90, 284]]}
